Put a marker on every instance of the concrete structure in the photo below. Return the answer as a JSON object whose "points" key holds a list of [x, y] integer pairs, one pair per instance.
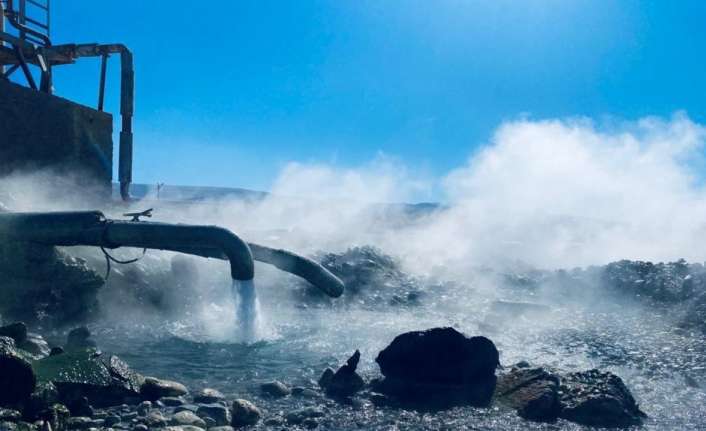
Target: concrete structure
{"points": [[42, 131]]}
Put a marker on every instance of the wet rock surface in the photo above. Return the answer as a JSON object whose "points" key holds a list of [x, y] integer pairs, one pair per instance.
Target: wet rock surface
{"points": [[533, 392], [44, 284], [17, 380], [440, 364], [344, 382], [153, 388], [372, 278], [592, 397], [102, 380], [598, 398]]}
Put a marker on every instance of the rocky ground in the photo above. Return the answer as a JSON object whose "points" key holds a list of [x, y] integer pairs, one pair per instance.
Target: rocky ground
{"points": [[77, 387]]}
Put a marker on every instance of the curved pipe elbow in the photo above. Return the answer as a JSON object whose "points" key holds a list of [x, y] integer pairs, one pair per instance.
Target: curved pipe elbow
{"points": [[301, 266], [179, 237]]}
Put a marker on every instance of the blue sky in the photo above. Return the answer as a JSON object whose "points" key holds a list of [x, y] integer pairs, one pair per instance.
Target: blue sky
{"points": [[228, 92]]}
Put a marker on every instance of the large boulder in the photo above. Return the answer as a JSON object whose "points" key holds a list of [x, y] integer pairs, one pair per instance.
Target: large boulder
{"points": [[439, 364], [85, 373], [599, 399], [17, 380], [592, 398]]}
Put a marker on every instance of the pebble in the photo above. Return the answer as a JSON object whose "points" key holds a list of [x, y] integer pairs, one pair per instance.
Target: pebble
{"points": [[275, 389], [155, 419], [144, 408], [189, 407], [299, 391], [218, 412], [127, 417], [208, 396], [79, 422], [171, 401], [155, 389], [112, 420], [187, 418], [245, 413], [297, 417]]}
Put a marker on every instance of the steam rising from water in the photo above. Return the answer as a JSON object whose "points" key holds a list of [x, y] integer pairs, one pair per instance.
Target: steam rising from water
{"points": [[551, 194]]}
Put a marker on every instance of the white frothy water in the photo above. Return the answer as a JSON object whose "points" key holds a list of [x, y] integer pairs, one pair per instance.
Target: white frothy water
{"points": [[247, 309]]}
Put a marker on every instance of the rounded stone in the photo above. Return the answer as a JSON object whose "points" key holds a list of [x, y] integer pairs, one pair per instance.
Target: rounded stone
{"points": [[245, 413]]}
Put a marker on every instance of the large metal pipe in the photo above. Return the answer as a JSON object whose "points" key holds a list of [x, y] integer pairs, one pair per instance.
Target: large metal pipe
{"points": [[93, 229]]}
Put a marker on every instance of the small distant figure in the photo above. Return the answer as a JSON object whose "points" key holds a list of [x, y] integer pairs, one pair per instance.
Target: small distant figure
{"points": [[159, 188]]}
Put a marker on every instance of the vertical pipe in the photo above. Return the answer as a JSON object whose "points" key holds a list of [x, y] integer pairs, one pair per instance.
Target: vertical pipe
{"points": [[2, 30], [127, 95], [101, 88]]}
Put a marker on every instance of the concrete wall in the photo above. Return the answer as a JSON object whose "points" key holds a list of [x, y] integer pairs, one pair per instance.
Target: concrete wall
{"points": [[39, 131]]}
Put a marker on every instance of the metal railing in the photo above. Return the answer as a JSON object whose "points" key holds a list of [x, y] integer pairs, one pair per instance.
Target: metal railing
{"points": [[31, 18]]}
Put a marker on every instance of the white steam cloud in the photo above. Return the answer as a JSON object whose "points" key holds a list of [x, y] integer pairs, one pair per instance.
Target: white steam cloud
{"points": [[551, 194], [554, 193]]}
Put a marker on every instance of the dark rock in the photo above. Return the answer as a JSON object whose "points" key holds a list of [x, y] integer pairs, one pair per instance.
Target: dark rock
{"points": [[44, 285], [216, 411], [78, 423], [297, 417], [440, 365], [144, 408], [56, 351], [189, 407], [153, 389], [372, 279], [439, 355], [57, 416], [600, 399], [275, 389], [111, 420], [17, 379], [127, 417], [103, 381], [208, 396], [42, 399], [171, 401], [79, 339], [17, 331], [8, 426], [187, 418], [299, 391], [245, 413], [155, 419], [141, 427], [346, 381], [310, 423], [326, 377], [533, 392], [80, 407]]}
